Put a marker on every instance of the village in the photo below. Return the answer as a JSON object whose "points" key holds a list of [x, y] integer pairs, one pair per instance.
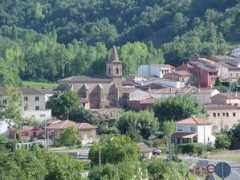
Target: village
{"points": [[152, 82], [109, 96]]}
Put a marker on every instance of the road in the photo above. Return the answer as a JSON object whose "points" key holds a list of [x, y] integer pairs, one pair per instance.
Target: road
{"points": [[235, 167]]}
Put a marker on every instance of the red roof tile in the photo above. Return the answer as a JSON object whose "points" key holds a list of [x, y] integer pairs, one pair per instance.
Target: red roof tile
{"points": [[61, 124], [86, 126], [193, 121]]}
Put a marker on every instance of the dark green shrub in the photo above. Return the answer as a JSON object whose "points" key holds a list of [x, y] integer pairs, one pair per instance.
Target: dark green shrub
{"points": [[191, 148]]}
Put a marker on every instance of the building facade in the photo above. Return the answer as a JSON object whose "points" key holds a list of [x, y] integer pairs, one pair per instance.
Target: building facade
{"points": [[33, 102], [193, 130], [155, 70], [95, 93], [222, 117]]}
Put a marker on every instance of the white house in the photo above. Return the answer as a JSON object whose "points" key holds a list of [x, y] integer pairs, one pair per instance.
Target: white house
{"points": [[193, 129], [33, 102], [155, 70]]}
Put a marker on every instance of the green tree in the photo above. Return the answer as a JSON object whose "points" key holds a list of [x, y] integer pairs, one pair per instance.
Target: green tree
{"points": [[159, 170], [177, 108], [69, 137], [223, 141], [10, 110], [113, 150], [141, 123], [63, 104]]}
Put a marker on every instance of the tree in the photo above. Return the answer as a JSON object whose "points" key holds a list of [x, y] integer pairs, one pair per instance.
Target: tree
{"points": [[10, 110], [83, 115], [69, 137], [177, 108], [141, 123], [234, 133], [39, 164], [168, 128], [223, 141], [114, 150], [63, 104], [159, 170], [123, 170]]}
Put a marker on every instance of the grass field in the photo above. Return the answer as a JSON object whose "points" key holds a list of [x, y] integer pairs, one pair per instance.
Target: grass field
{"points": [[225, 155], [32, 84]]}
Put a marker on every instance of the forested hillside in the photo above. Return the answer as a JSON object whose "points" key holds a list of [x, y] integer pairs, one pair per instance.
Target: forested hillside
{"points": [[50, 39]]}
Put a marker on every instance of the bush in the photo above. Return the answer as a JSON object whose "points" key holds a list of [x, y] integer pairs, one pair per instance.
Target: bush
{"points": [[223, 141], [69, 137], [194, 148]]}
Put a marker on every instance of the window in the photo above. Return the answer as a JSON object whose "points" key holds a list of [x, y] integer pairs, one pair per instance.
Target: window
{"points": [[25, 98], [37, 98], [215, 128], [235, 104], [234, 114], [179, 129], [117, 70], [214, 114], [109, 71], [223, 113], [193, 129], [226, 127], [218, 114], [4, 102], [37, 108], [25, 108], [227, 114]]}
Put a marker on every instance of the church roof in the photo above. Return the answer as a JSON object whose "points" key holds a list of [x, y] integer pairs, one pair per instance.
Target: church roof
{"points": [[85, 79], [114, 56]]}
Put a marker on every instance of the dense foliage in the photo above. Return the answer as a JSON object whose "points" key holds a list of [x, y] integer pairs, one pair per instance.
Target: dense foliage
{"points": [[48, 40], [113, 150], [161, 170], [63, 104], [136, 124], [69, 137], [177, 108], [39, 164], [223, 141]]}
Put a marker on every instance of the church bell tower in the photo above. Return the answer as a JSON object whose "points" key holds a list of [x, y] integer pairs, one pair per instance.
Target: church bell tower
{"points": [[114, 68]]}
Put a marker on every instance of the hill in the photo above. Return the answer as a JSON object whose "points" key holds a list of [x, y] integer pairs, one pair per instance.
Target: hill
{"points": [[50, 39]]}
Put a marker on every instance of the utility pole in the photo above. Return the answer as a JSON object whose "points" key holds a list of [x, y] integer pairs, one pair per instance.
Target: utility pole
{"points": [[99, 156]]}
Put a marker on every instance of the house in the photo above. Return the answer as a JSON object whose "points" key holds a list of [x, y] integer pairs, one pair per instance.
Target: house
{"points": [[203, 95], [155, 70], [146, 151], [204, 71], [222, 116], [33, 102], [226, 98], [193, 129], [182, 75], [27, 133], [87, 132], [95, 92], [4, 126]]}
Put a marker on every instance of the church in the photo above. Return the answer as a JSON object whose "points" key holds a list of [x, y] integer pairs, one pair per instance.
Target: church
{"points": [[96, 93]]}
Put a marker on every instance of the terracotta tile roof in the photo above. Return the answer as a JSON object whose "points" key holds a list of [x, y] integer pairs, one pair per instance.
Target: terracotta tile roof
{"points": [[85, 126], [184, 135], [162, 66], [211, 107], [34, 91], [85, 79], [29, 91], [193, 121], [58, 124]]}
